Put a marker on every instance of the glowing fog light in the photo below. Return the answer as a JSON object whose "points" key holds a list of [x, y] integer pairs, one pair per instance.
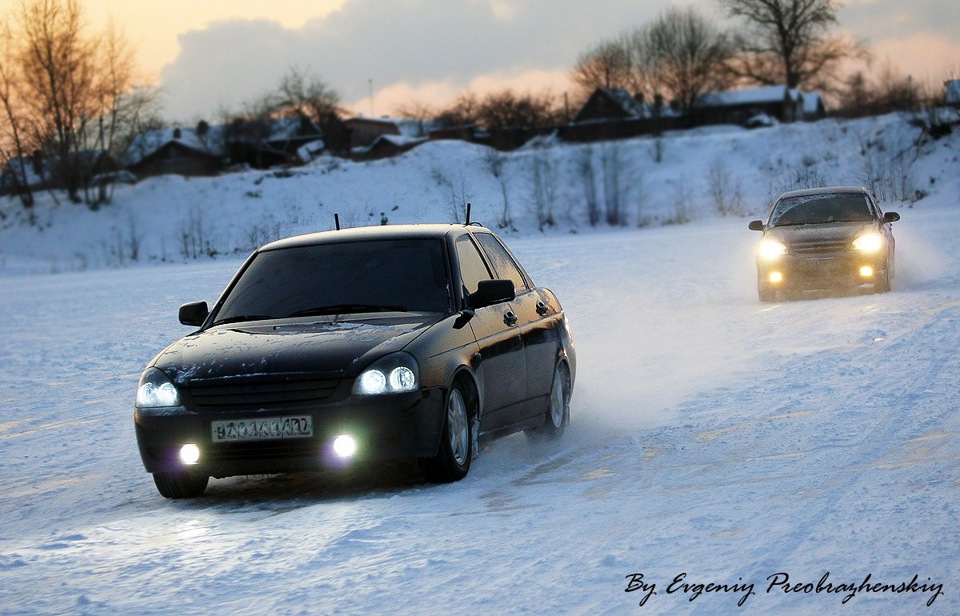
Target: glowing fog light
{"points": [[776, 277], [345, 446], [189, 454], [866, 272]]}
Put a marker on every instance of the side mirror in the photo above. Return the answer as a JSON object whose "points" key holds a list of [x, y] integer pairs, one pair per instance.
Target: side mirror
{"points": [[891, 217], [491, 292], [194, 313], [755, 225]]}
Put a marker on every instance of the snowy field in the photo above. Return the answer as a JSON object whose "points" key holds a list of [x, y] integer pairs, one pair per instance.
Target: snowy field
{"points": [[809, 446]]}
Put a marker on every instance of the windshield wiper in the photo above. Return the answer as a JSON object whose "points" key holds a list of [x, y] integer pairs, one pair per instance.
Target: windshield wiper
{"points": [[242, 319], [345, 309]]}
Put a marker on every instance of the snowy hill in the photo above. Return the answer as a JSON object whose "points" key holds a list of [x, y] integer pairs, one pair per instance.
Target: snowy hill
{"points": [[684, 176]]}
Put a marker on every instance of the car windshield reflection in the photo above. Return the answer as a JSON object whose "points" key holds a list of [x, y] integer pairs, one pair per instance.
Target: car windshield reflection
{"points": [[821, 209], [341, 278]]}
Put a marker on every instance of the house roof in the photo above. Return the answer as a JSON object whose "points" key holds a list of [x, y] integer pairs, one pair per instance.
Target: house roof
{"points": [[402, 126], [764, 95], [144, 145], [631, 107]]}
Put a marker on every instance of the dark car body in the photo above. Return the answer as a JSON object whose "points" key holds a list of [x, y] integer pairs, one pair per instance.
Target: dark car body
{"points": [[407, 341], [833, 238]]}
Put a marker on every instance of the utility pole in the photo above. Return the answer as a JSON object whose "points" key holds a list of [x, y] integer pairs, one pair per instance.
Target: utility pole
{"points": [[372, 114]]}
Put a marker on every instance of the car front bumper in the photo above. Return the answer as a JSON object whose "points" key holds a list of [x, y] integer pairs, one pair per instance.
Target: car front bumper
{"points": [[847, 270], [384, 427]]}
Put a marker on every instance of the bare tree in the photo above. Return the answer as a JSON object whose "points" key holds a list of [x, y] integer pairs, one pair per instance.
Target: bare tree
{"points": [[66, 89], [622, 63], [57, 65], [605, 65], [690, 54], [503, 109], [306, 95], [12, 152], [789, 42]]}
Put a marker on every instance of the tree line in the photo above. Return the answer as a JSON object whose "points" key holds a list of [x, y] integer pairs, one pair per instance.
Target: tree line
{"points": [[67, 92]]}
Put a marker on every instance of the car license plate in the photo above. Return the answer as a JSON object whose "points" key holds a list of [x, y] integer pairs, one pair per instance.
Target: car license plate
{"points": [[261, 429]]}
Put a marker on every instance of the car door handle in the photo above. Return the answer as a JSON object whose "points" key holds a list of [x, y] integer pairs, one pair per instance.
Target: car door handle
{"points": [[541, 308], [509, 318]]}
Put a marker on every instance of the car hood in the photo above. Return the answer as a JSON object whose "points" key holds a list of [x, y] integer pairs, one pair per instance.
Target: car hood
{"points": [[827, 232], [332, 347]]}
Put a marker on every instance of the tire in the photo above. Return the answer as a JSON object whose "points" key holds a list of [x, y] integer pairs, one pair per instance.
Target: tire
{"points": [[557, 415], [882, 285], [452, 462], [180, 485], [765, 293]]}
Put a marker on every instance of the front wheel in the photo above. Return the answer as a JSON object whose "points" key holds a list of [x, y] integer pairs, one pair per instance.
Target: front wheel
{"points": [[180, 485], [558, 409], [765, 292], [452, 462], [882, 285]]}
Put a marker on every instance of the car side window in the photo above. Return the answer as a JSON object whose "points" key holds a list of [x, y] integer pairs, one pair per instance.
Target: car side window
{"points": [[472, 267], [502, 262]]}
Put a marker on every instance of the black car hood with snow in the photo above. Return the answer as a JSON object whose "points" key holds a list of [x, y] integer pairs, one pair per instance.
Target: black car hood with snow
{"points": [[819, 233], [337, 347]]}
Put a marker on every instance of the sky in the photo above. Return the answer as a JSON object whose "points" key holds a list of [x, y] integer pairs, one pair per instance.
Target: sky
{"points": [[382, 55]]}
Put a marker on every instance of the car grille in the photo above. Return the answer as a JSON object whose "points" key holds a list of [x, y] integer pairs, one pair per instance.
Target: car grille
{"points": [[277, 391], [820, 249], [228, 452]]}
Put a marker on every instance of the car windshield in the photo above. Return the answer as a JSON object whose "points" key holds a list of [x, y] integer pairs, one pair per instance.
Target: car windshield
{"points": [[821, 208], [341, 278]]}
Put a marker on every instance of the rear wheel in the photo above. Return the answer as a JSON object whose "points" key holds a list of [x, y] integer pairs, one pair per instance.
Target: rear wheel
{"points": [[558, 408], [180, 485], [452, 462]]}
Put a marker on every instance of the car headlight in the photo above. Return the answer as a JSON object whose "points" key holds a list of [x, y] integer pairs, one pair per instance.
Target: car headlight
{"points": [[392, 374], [869, 242], [155, 389], [771, 249]]}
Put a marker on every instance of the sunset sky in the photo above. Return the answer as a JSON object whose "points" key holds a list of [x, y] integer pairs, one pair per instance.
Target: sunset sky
{"points": [[221, 53]]}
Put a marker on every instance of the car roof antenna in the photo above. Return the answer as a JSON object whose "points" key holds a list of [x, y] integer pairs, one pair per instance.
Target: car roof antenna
{"points": [[336, 220], [468, 215]]}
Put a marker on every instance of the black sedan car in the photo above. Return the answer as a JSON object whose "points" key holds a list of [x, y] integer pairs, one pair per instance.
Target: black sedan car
{"points": [[825, 239], [366, 344]]}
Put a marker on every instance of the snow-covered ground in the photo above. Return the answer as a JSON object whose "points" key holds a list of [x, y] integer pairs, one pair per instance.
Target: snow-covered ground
{"points": [[714, 439]]}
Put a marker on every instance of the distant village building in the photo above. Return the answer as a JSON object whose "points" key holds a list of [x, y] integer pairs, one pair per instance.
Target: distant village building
{"points": [[741, 107], [207, 150], [267, 143], [364, 131], [611, 104], [181, 151]]}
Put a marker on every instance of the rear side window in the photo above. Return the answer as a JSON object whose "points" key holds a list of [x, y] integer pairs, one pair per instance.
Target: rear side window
{"points": [[472, 267], [502, 262]]}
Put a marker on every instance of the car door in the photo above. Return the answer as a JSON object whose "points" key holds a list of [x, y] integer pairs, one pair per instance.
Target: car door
{"points": [[501, 367], [537, 320]]}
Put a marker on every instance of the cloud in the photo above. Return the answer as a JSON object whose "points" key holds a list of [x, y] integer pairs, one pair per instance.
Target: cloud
{"points": [[420, 43], [877, 20], [925, 56], [431, 50]]}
